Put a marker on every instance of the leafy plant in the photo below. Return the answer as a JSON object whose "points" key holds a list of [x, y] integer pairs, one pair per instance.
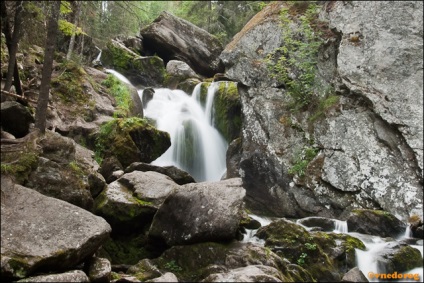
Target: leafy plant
{"points": [[310, 246], [173, 266], [302, 258], [294, 63], [302, 160]]}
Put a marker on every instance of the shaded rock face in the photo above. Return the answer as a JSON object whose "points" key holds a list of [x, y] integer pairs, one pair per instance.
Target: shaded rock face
{"points": [[172, 39], [15, 118], [70, 276], [354, 275], [375, 222], [199, 212], [368, 150], [252, 273], [41, 233]]}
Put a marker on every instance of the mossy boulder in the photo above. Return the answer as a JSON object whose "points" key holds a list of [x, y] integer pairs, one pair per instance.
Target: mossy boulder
{"points": [[293, 242], [340, 248], [228, 110], [375, 222], [140, 71], [132, 140], [398, 257], [195, 262]]}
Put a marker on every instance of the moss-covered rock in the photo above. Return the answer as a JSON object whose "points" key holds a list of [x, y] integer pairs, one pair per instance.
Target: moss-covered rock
{"points": [[195, 262], [140, 71], [294, 243], [228, 110], [399, 257], [131, 140], [340, 248]]}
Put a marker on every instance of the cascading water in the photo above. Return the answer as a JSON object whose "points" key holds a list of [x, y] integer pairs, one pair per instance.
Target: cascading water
{"points": [[196, 146], [118, 75]]}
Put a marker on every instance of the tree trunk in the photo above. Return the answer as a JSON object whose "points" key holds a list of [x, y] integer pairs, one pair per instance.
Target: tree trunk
{"points": [[12, 45], [75, 22], [43, 97]]}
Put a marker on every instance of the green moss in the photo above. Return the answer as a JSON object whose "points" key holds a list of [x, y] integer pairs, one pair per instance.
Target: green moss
{"points": [[122, 94], [126, 249], [68, 85], [407, 258], [301, 161], [19, 164], [227, 110]]}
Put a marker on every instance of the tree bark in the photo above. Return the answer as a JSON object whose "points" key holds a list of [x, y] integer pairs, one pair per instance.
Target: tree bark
{"points": [[43, 97], [12, 45]]}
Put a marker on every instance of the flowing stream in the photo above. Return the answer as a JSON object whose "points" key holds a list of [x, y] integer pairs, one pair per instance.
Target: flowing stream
{"points": [[198, 148]]}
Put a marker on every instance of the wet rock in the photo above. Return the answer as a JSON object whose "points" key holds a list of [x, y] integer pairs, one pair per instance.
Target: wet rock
{"points": [[178, 72], [375, 222], [327, 224], [398, 257], [233, 158], [147, 95], [199, 212], [110, 165]]}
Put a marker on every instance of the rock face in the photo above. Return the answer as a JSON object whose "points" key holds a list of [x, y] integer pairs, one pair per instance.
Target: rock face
{"points": [[200, 212], [366, 147], [251, 273], [40, 232], [173, 38], [398, 257]]}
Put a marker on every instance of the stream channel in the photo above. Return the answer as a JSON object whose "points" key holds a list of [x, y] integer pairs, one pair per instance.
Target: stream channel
{"points": [[198, 148]]}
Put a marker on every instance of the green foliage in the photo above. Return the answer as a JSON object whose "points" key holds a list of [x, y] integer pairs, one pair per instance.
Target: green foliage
{"points": [[302, 258], [121, 93], [65, 7], [76, 168], [302, 160], [68, 28], [173, 266], [310, 246], [20, 166], [294, 63]]}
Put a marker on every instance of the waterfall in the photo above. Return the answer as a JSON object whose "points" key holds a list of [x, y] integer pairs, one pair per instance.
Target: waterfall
{"points": [[340, 226], [121, 77], [196, 146]]}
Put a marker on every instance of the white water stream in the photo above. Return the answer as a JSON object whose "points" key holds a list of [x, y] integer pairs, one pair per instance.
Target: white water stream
{"points": [[196, 146]]}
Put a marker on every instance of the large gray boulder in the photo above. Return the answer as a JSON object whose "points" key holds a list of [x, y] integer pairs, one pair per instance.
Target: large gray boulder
{"points": [[367, 151], [398, 257], [131, 201], [200, 212], [41, 233], [173, 38]]}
